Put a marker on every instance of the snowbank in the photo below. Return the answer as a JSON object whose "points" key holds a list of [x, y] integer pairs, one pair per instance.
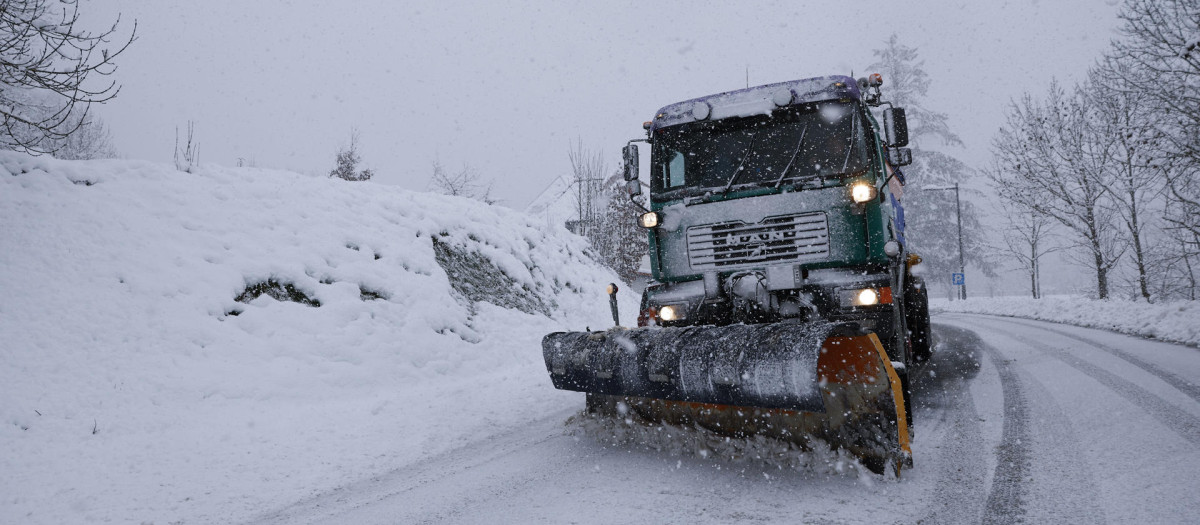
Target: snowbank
{"points": [[1177, 322], [204, 347]]}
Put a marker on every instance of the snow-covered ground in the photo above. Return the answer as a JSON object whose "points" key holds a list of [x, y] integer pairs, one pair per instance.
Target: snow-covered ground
{"points": [[1016, 421], [1177, 322], [135, 387]]}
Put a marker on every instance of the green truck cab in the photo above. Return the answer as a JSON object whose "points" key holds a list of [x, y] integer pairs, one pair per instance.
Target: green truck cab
{"points": [[779, 203]]}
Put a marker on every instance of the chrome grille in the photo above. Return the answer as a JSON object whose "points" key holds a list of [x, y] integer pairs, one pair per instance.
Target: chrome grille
{"points": [[735, 244]]}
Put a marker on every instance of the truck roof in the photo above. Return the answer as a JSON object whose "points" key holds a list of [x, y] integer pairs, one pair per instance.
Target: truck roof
{"points": [[758, 100]]}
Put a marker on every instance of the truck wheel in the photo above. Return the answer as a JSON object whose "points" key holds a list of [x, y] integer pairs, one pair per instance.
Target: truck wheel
{"points": [[917, 309], [908, 406]]}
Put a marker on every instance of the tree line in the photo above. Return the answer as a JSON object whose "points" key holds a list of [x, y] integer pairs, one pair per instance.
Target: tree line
{"points": [[1110, 164], [605, 213]]}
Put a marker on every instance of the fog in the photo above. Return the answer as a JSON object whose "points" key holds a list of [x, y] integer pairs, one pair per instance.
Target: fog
{"points": [[506, 87]]}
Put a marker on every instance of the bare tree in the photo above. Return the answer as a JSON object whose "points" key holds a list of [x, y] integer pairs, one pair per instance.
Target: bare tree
{"points": [[1047, 160], [1179, 260], [465, 183], [346, 162], [187, 158], [1172, 266], [588, 171], [91, 140], [1028, 239], [605, 214], [1182, 209], [1119, 118], [1190, 257], [42, 52], [1158, 57]]}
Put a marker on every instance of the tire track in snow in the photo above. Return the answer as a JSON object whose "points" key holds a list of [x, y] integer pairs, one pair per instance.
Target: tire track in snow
{"points": [[1169, 415], [942, 388], [1185, 386], [1038, 431], [1059, 485], [1005, 501]]}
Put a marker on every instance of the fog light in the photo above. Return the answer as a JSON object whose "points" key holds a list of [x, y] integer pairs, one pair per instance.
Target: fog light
{"points": [[862, 192], [670, 313], [865, 296]]}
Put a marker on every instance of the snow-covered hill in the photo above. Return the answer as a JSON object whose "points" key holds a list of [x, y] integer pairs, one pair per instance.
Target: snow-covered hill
{"points": [[202, 347]]}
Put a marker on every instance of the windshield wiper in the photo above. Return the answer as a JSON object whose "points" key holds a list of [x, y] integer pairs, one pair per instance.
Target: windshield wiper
{"points": [[738, 170], [850, 146], [792, 160]]}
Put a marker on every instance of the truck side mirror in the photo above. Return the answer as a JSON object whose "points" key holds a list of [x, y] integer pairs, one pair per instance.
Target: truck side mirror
{"points": [[895, 126], [630, 154], [899, 156], [634, 187]]}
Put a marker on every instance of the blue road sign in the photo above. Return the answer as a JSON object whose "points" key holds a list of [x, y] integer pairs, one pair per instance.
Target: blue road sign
{"points": [[958, 279]]}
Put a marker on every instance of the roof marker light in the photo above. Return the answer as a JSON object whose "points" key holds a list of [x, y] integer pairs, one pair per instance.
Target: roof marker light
{"points": [[782, 97]]}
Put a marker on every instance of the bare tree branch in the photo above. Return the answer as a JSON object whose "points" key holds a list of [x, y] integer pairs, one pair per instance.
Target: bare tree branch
{"points": [[466, 182], [43, 52]]}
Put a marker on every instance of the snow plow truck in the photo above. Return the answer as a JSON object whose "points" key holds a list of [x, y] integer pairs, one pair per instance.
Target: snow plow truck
{"points": [[782, 300]]}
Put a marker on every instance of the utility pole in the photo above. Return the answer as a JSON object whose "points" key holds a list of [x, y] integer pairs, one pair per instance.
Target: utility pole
{"points": [[961, 267], [962, 290]]}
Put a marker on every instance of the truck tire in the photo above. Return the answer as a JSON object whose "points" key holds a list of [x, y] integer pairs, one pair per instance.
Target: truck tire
{"points": [[917, 318]]}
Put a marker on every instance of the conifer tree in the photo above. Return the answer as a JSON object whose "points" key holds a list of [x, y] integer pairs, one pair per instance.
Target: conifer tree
{"points": [[932, 229], [346, 162]]}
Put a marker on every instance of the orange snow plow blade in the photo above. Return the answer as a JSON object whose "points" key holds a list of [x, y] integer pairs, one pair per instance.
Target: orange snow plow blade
{"points": [[791, 382]]}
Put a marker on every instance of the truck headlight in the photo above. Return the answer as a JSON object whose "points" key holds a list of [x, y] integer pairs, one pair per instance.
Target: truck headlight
{"points": [[865, 296], [648, 219], [862, 192], [671, 312]]}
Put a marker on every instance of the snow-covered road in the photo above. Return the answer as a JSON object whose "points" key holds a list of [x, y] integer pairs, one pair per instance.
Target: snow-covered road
{"points": [[1015, 420]]}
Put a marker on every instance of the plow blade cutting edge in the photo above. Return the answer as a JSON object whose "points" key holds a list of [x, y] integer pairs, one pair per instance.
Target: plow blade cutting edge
{"points": [[788, 381]]}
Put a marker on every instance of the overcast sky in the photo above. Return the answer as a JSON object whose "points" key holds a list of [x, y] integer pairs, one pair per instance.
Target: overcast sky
{"points": [[507, 86]]}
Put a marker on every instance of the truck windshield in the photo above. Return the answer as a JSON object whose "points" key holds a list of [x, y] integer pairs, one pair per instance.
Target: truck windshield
{"points": [[811, 141]]}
